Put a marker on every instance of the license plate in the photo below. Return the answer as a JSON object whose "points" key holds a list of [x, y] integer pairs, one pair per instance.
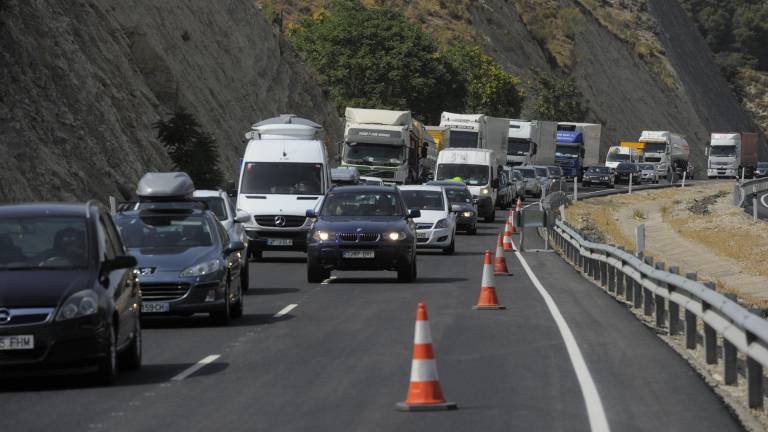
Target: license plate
{"points": [[422, 235], [153, 307], [279, 242], [358, 254], [20, 342]]}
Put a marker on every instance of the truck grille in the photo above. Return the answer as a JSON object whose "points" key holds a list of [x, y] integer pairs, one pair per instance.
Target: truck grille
{"points": [[359, 237], [271, 221], [163, 292]]}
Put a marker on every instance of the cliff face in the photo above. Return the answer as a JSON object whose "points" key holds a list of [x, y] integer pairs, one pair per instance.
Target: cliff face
{"points": [[83, 82]]}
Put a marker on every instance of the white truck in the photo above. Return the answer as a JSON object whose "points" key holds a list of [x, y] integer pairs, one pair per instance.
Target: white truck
{"points": [[521, 144], [619, 154], [479, 169], [577, 146], [668, 150], [477, 131], [381, 143], [730, 153], [284, 173]]}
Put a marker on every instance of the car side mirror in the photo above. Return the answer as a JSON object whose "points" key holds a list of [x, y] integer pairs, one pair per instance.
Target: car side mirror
{"points": [[311, 214], [414, 214], [455, 208], [119, 262], [234, 246], [242, 216]]}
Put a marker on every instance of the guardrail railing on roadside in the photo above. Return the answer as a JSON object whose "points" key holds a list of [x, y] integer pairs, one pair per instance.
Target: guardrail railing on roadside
{"points": [[748, 190], [677, 303]]}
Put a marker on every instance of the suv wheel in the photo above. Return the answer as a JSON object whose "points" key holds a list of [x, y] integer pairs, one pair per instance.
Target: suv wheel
{"points": [[408, 274], [316, 274], [130, 359], [108, 365]]}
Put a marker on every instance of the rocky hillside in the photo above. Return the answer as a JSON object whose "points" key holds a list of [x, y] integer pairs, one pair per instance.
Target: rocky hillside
{"points": [[83, 82]]}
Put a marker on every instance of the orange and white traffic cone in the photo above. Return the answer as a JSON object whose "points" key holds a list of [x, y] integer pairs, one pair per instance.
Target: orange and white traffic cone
{"points": [[507, 241], [488, 299], [511, 222], [519, 205], [500, 263], [424, 392]]}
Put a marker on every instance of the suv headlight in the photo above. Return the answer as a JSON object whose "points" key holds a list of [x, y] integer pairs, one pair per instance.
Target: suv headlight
{"points": [[79, 304], [322, 235], [201, 269], [395, 235], [442, 223], [468, 214]]}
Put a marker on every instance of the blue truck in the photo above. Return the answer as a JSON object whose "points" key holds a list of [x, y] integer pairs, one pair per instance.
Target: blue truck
{"points": [[577, 146]]}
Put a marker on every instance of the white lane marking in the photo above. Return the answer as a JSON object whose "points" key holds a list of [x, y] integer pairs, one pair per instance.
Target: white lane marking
{"points": [[327, 281], [597, 419], [285, 310], [196, 367], [762, 200]]}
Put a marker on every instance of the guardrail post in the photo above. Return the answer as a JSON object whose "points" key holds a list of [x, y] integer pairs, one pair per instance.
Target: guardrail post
{"points": [[710, 335], [604, 270], [619, 278], [674, 308], [647, 299], [611, 278], [659, 300], [730, 367], [640, 239], [755, 383], [690, 321], [754, 206]]}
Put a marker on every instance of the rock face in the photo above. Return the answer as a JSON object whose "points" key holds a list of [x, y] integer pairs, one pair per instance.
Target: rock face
{"points": [[82, 83]]}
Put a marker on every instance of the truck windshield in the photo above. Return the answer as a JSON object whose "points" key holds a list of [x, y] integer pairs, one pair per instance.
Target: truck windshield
{"points": [[517, 147], [541, 172], [722, 151], [373, 154], [617, 157], [655, 147], [361, 204], [572, 151], [164, 231], [423, 199], [652, 159], [463, 139], [48, 242], [475, 175], [282, 178]]}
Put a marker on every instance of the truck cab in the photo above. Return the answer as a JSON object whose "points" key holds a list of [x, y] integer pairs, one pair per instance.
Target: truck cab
{"points": [[478, 170], [730, 153], [577, 145], [669, 151], [520, 143], [284, 172]]}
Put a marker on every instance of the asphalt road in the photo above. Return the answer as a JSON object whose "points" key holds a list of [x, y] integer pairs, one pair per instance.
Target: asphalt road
{"points": [[762, 206], [340, 359]]}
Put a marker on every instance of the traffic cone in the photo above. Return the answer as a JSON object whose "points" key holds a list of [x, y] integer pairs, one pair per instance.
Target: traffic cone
{"points": [[519, 205], [500, 264], [488, 299], [511, 222], [507, 241], [424, 392]]}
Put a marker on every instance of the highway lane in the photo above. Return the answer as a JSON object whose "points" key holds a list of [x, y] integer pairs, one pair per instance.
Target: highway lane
{"points": [[341, 359], [762, 206]]}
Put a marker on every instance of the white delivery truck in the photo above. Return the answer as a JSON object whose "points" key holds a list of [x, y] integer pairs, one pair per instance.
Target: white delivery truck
{"points": [[521, 146], [619, 154], [284, 173], [477, 131], [668, 150], [478, 168], [730, 153], [381, 143]]}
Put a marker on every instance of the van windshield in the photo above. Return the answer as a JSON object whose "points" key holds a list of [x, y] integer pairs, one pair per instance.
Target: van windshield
{"points": [[282, 178], [617, 157], [517, 147], [475, 175]]}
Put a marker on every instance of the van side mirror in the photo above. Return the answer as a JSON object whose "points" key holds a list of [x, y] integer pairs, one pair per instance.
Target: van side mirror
{"points": [[414, 214], [311, 214]]}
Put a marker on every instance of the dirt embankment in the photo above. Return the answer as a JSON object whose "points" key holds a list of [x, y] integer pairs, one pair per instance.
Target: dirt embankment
{"points": [[83, 82], [696, 228]]}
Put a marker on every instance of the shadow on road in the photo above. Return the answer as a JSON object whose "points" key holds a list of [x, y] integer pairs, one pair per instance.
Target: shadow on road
{"points": [[273, 260], [420, 280], [270, 291], [202, 321]]}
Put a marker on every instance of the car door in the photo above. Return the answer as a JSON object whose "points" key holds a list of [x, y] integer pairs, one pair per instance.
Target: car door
{"points": [[125, 291], [451, 216], [232, 259]]}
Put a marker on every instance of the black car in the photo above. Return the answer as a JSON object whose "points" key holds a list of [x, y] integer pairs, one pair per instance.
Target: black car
{"points": [[598, 175], [623, 171], [362, 228], [69, 299], [458, 194]]}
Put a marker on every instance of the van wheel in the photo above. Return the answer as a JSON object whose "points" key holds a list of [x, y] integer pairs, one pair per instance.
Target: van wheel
{"points": [[472, 230], [130, 359]]}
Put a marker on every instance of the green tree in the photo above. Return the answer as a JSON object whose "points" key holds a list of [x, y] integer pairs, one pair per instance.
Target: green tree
{"points": [[190, 148], [556, 98]]}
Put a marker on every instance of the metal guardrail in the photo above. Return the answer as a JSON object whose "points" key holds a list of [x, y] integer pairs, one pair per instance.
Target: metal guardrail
{"points": [[664, 294], [748, 189]]}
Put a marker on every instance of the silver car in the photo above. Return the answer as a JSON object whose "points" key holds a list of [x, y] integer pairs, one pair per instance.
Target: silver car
{"points": [[532, 184], [648, 173]]}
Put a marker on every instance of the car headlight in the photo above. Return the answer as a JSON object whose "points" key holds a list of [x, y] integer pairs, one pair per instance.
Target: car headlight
{"points": [[322, 235], [395, 235], [442, 223], [468, 214], [484, 191], [79, 304], [604, 178], [201, 269]]}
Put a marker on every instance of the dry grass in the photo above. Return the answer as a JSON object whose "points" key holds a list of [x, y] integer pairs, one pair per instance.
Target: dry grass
{"points": [[552, 26], [754, 87]]}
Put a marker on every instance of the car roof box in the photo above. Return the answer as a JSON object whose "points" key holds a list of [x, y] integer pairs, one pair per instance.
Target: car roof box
{"points": [[165, 186], [345, 174]]}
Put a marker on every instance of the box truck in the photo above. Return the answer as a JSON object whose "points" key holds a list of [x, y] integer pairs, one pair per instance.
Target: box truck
{"points": [[730, 153], [478, 131]]}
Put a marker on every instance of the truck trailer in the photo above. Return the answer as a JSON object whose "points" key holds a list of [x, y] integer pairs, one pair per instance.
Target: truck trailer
{"points": [[731, 153]]}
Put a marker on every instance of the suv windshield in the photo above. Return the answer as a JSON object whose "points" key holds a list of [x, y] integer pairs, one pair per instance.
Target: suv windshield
{"points": [[423, 199], [216, 205], [373, 154], [45, 242], [541, 171], [526, 172], [458, 196], [599, 170], [164, 230], [356, 204], [475, 175], [282, 178]]}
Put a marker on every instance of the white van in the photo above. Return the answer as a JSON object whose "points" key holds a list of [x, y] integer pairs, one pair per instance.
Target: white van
{"points": [[475, 167], [284, 173]]}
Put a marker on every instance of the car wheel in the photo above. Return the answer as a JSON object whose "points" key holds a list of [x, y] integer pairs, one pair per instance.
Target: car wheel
{"points": [[225, 316], [316, 274], [408, 274], [256, 255], [245, 280], [451, 247], [472, 230], [130, 359], [491, 217], [237, 309], [107, 373]]}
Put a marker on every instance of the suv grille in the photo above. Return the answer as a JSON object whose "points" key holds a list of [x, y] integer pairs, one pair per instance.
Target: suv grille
{"points": [[359, 237], [290, 221], [163, 292]]}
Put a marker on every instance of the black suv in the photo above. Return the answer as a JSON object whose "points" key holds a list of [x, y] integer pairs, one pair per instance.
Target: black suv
{"points": [[69, 299], [362, 228]]}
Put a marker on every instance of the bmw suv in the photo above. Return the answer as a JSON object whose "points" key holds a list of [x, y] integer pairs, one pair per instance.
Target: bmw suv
{"points": [[362, 228]]}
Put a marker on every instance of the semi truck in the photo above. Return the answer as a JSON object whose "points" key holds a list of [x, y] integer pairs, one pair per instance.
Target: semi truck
{"points": [[731, 153], [668, 150], [477, 131], [521, 144], [382, 143], [577, 146]]}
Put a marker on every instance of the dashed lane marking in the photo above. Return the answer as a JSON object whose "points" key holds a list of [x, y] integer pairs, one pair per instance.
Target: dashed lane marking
{"points": [[285, 310], [196, 367], [327, 281]]}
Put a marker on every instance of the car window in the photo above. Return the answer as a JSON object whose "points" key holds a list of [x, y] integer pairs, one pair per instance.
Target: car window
{"points": [[43, 242], [357, 204], [154, 230], [423, 199], [112, 238], [216, 205], [223, 234]]}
